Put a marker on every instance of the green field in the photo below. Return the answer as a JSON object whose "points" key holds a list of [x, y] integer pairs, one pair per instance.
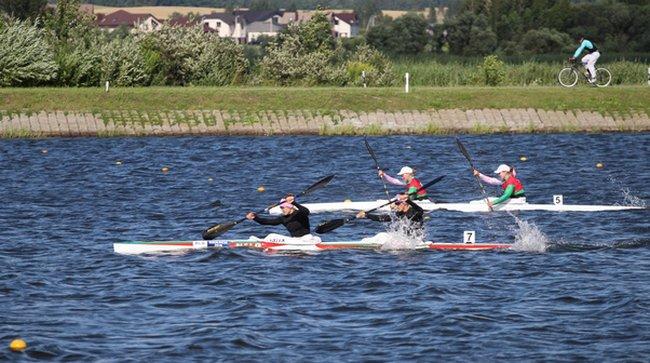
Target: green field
{"points": [[613, 99]]}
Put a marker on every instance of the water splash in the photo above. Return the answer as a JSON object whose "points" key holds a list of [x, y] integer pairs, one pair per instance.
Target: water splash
{"points": [[399, 235], [629, 199], [632, 200], [529, 238]]}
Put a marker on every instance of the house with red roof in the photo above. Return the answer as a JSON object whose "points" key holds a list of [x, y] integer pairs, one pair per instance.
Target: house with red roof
{"points": [[135, 22], [346, 25]]}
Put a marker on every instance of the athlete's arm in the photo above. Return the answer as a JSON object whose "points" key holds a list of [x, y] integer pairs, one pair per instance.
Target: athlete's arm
{"points": [[506, 195], [489, 180], [393, 181], [580, 49]]}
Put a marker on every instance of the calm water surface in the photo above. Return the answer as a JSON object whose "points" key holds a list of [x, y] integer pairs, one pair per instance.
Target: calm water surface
{"points": [[70, 297]]}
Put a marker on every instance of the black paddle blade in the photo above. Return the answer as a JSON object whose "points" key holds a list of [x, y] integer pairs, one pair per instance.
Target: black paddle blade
{"points": [[462, 149], [370, 151], [217, 229], [425, 186], [319, 184], [329, 226]]}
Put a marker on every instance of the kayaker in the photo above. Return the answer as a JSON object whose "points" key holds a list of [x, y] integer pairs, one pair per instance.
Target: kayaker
{"points": [[409, 181], [404, 208], [512, 187], [295, 217]]}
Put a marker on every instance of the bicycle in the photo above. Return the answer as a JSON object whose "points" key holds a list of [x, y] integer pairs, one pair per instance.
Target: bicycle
{"points": [[568, 76]]}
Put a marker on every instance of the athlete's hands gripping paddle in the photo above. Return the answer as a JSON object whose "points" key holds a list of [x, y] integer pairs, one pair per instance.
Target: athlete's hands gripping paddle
{"points": [[333, 224], [471, 164], [221, 228]]}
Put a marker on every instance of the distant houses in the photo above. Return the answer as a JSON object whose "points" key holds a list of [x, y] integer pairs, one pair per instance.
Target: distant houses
{"points": [[243, 26], [122, 18]]}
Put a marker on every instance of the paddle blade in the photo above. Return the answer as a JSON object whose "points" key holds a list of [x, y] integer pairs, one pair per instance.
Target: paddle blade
{"points": [[217, 229], [370, 151], [425, 186], [319, 184], [329, 226], [463, 151]]}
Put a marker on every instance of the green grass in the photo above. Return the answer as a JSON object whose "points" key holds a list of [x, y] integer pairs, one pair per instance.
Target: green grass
{"points": [[622, 99]]}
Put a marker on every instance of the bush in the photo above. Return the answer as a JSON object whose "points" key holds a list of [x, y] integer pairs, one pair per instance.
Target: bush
{"points": [[25, 57], [123, 63], [304, 54], [379, 71], [217, 61], [493, 71]]}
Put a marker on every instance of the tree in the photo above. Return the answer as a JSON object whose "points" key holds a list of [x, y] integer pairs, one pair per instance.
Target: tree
{"points": [[545, 40], [25, 57], [23, 9], [469, 34], [405, 35]]}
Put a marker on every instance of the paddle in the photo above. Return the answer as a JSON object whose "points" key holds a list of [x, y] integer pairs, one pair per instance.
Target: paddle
{"points": [[218, 229], [471, 164], [374, 157], [333, 224]]}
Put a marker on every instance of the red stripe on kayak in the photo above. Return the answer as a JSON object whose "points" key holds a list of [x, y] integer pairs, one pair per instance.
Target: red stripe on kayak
{"points": [[468, 246]]}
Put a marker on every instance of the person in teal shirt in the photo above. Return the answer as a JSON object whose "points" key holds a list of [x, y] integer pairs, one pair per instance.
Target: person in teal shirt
{"points": [[589, 60]]}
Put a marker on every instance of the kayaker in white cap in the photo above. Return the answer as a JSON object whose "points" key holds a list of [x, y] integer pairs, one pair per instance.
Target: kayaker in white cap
{"points": [[404, 208], [409, 181], [512, 187]]}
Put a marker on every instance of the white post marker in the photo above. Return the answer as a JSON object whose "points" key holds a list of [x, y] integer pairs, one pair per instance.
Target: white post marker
{"points": [[648, 76], [106, 86], [406, 85], [469, 237], [363, 78], [558, 199]]}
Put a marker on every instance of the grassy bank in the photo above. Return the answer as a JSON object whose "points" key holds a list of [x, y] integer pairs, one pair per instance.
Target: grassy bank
{"points": [[244, 99], [430, 73]]}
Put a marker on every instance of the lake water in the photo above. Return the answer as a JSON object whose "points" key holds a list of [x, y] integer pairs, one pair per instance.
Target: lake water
{"points": [[66, 201]]}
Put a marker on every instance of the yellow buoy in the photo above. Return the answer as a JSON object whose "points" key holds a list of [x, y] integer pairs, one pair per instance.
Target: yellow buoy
{"points": [[44, 151], [261, 189], [347, 201], [17, 345], [164, 169], [523, 158], [600, 165]]}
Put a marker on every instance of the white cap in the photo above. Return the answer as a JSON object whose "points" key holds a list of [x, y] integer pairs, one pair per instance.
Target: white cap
{"points": [[405, 170], [502, 167]]}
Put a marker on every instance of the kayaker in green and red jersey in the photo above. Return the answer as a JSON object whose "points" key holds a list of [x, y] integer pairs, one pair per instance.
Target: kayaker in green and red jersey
{"points": [[295, 217], [512, 187], [409, 181]]}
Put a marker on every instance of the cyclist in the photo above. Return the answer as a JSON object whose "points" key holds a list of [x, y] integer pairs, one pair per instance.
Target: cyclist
{"points": [[589, 60]]}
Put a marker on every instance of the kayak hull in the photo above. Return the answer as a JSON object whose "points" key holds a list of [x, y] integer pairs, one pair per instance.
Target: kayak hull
{"points": [[144, 247], [468, 207]]}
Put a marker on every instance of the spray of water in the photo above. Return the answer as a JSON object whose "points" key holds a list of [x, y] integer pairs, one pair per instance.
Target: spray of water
{"points": [[400, 235], [529, 238], [629, 199]]}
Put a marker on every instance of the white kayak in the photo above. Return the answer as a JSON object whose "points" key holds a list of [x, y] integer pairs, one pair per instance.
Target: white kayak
{"points": [[468, 207], [289, 245]]}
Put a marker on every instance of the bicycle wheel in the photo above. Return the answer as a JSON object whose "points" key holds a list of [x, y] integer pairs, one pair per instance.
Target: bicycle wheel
{"points": [[568, 77], [603, 77]]}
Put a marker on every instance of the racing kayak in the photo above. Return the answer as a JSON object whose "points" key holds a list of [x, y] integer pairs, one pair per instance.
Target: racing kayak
{"points": [[469, 207], [138, 247]]}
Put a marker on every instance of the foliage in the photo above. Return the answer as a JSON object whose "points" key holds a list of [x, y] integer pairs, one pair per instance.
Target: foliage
{"points": [[25, 58], [404, 35], [545, 40], [303, 54], [493, 71], [23, 9], [378, 68], [468, 34], [216, 61]]}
